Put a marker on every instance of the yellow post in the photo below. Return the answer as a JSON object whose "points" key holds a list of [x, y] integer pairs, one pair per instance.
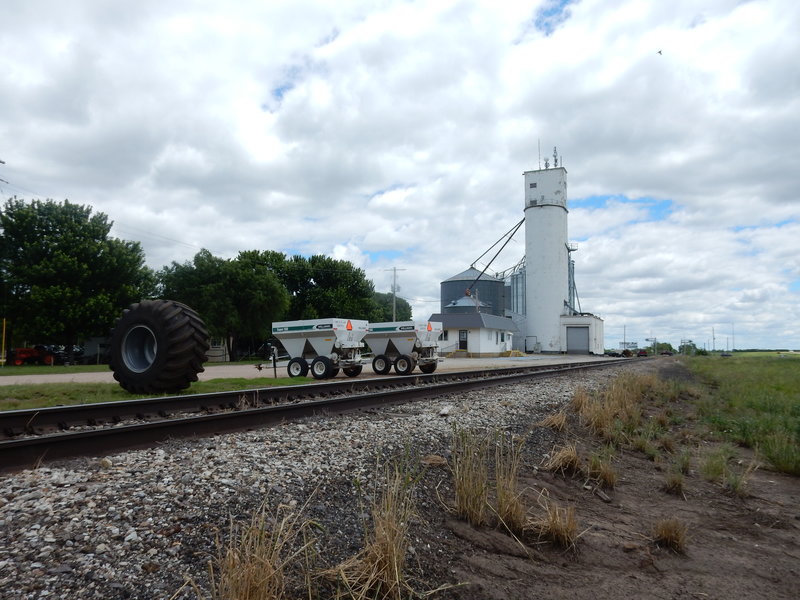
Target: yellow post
{"points": [[3, 357]]}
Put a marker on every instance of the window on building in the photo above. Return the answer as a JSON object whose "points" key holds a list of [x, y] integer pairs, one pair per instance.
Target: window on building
{"points": [[444, 335], [502, 336], [533, 185], [495, 337]]}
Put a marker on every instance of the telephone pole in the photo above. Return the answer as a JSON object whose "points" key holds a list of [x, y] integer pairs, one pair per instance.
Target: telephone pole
{"points": [[394, 271]]}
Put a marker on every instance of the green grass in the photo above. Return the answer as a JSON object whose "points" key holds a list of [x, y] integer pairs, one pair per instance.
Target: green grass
{"points": [[754, 401], [13, 397], [8, 370]]}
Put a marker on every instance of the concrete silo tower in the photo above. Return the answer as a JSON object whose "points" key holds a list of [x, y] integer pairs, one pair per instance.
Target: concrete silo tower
{"points": [[546, 258]]}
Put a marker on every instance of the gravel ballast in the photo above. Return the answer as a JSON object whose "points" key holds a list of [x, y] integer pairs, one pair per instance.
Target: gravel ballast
{"points": [[139, 524]]}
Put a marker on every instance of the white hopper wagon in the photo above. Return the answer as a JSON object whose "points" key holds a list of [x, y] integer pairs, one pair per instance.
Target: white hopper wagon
{"points": [[322, 346], [404, 344]]}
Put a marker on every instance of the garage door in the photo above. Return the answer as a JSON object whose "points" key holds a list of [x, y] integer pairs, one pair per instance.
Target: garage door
{"points": [[577, 340]]}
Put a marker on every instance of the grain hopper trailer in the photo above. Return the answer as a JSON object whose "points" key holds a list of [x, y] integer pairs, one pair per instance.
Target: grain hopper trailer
{"points": [[404, 345], [322, 346]]}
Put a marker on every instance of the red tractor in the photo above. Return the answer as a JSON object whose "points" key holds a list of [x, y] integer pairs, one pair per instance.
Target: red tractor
{"points": [[38, 355]]}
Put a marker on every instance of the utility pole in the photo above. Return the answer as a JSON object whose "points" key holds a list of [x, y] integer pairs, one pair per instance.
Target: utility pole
{"points": [[394, 271]]}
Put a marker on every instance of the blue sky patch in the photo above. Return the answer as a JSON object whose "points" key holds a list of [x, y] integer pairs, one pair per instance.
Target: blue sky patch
{"points": [[794, 286], [551, 15], [384, 255], [658, 209], [391, 188]]}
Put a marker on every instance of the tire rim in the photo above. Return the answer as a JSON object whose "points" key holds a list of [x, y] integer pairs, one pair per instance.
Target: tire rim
{"points": [[139, 348], [402, 365], [295, 369], [319, 368], [380, 365]]}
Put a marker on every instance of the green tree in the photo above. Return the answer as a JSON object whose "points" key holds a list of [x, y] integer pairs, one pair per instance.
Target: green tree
{"points": [[321, 287], [383, 308], [64, 278], [238, 299]]}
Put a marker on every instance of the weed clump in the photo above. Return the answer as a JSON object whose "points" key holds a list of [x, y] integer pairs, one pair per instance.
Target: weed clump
{"points": [[735, 481], [600, 468], [782, 450], [508, 456], [716, 463], [558, 525], [673, 483], [470, 468], [556, 421], [565, 460], [259, 556], [671, 534], [378, 571]]}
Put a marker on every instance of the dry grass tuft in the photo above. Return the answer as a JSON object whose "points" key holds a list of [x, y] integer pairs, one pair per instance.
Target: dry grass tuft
{"points": [[378, 571], [558, 525], [667, 443], [508, 456], [683, 462], [260, 555], [673, 484], [671, 534], [579, 399], [616, 413], [556, 421], [565, 460], [736, 482], [600, 469], [715, 464], [470, 468]]}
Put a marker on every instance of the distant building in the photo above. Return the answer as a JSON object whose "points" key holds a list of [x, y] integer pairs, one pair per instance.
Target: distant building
{"points": [[537, 299], [475, 334]]}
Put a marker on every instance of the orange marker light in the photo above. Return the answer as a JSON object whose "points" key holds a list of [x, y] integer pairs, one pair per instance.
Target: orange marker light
{"points": [[429, 326], [349, 325]]}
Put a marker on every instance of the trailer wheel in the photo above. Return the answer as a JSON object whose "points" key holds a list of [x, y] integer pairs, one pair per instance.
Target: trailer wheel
{"points": [[403, 365], [158, 346], [428, 368], [321, 367], [297, 367], [353, 371], [381, 364]]}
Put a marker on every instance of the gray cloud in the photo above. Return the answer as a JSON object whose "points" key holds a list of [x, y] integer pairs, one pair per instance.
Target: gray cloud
{"points": [[395, 135]]}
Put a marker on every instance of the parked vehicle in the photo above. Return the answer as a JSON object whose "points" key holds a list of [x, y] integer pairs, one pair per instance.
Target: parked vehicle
{"points": [[37, 355], [641, 353]]}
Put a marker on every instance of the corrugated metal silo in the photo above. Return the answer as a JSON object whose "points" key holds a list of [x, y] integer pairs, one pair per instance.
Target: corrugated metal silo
{"points": [[489, 291]]}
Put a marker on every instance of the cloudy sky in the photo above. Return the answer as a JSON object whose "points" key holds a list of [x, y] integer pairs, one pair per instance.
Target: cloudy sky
{"points": [[395, 133]]}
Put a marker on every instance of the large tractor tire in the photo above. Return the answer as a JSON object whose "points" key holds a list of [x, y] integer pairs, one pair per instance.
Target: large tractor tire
{"points": [[158, 346]]}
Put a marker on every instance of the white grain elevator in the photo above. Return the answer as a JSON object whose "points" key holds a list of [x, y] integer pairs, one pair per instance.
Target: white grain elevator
{"points": [[546, 258]]}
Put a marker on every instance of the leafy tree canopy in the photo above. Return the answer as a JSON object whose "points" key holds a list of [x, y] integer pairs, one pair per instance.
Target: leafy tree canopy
{"points": [[321, 287], [383, 308], [64, 278], [238, 299]]}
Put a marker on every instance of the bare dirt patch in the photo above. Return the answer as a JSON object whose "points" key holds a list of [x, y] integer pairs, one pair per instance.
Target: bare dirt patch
{"points": [[737, 547]]}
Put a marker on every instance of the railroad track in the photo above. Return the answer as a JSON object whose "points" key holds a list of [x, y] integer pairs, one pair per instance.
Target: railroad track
{"points": [[30, 437]]}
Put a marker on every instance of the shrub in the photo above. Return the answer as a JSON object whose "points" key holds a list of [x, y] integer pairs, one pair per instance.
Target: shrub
{"points": [[671, 534]]}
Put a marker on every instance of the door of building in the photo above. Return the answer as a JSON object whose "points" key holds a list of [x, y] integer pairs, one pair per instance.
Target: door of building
{"points": [[462, 339], [577, 340]]}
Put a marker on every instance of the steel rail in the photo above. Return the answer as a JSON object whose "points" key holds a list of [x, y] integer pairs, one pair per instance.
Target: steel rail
{"points": [[37, 421], [328, 398]]}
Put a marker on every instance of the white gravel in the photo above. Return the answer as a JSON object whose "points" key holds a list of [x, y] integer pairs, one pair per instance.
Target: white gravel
{"points": [[136, 524]]}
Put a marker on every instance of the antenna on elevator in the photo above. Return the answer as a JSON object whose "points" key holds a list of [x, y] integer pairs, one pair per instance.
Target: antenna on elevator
{"points": [[539, 142], [555, 157]]}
